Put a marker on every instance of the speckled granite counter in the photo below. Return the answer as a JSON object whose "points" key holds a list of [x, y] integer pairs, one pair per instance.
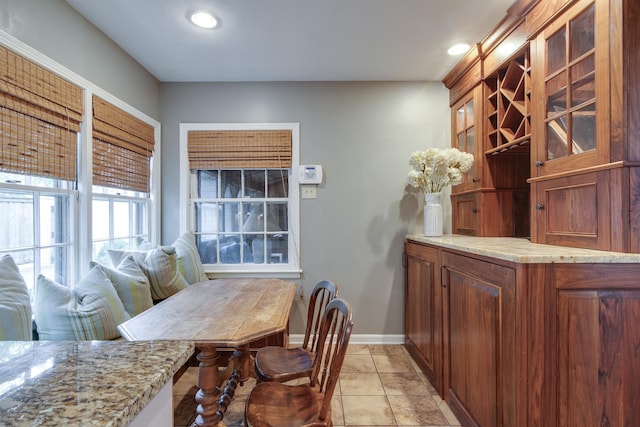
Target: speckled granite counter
{"points": [[83, 383], [523, 251]]}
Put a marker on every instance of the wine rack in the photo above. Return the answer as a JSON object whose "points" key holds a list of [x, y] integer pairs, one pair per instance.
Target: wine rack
{"points": [[507, 106]]}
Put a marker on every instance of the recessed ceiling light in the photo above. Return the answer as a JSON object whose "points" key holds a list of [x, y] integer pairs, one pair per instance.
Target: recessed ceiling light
{"points": [[203, 19], [458, 49]]}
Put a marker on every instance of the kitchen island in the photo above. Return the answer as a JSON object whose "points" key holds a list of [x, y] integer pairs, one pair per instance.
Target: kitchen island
{"points": [[83, 383]]}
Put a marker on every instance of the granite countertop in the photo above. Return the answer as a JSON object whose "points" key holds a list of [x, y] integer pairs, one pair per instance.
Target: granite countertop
{"points": [[523, 251], [82, 383]]}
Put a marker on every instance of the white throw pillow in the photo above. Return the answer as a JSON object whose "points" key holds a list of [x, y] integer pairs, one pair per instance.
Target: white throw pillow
{"points": [[91, 310], [189, 262], [131, 284], [15, 305], [161, 267]]}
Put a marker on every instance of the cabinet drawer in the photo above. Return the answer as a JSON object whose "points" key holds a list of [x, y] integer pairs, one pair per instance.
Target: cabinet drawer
{"points": [[573, 211]]}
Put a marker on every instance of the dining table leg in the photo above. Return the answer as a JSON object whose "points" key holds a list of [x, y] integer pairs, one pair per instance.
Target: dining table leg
{"points": [[208, 388]]}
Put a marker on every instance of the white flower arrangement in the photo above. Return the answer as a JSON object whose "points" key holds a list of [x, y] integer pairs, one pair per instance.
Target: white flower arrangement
{"points": [[435, 168]]}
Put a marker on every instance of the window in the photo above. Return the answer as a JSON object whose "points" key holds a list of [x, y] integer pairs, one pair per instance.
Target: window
{"points": [[36, 226], [119, 221], [241, 196], [121, 158]]}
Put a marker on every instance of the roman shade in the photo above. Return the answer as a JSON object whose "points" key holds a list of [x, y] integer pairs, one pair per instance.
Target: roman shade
{"points": [[122, 148], [40, 116], [229, 149]]}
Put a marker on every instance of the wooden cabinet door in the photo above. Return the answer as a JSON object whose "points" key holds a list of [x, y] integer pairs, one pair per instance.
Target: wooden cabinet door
{"points": [[423, 321], [466, 120], [573, 211], [570, 73], [598, 361], [480, 336]]}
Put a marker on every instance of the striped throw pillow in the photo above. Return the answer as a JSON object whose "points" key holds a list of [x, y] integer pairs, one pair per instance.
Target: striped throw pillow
{"points": [[15, 305]]}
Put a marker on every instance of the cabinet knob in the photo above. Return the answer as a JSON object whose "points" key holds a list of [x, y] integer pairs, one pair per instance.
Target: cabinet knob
{"points": [[474, 210], [475, 180], [539, 163], [539, 206]]}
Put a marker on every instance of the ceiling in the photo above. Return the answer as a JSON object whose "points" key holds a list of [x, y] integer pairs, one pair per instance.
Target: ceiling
{"points": [[295, 40]]}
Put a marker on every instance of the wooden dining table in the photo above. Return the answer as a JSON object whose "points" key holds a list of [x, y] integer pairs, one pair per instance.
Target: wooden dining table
{"points": [[221, 313]]}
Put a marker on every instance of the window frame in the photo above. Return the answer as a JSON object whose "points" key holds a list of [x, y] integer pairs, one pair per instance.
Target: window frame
{"points": [[188, 187]]}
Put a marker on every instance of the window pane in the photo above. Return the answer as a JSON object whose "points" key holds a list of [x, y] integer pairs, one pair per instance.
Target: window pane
{"points": [[582, 33], [232, 250], [557, 139], [583, 83], [460, 119], [279, 246], [253, 217], [230, 217], [556, 95], [557, 51], [16, 229], [100, 253], [208, 184], [100, 216], [140, 224], [54, 264], [258, 252], [583, 130], [207, 248], [206, 217], [120, 219], [54, 219], [278, 183], [231, 184], [277, 219], [254, 183], [469, 115]]}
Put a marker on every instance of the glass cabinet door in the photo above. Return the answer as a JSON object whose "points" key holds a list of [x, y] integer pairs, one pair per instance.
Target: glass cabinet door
{"points": [[572, 108], [464, 116]]}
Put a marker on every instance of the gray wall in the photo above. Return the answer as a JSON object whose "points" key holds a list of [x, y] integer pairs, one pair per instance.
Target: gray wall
{"points": [[56, 30], [362, 134]]}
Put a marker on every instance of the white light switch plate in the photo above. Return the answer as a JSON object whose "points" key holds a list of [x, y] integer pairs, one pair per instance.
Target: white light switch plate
{"points": [[308, 191]]}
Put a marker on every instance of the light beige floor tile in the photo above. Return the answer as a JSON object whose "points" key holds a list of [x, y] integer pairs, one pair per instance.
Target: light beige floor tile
{"points": [[416, 411], [367, 410], [361, 383], [386, 349], [405, 384], [358, 349], [358, 363], [392, 363]]}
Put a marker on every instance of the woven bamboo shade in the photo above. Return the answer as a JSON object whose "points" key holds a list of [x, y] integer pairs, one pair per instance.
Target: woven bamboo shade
{"points": [[40, 117], [122, 148], [229, 149]]}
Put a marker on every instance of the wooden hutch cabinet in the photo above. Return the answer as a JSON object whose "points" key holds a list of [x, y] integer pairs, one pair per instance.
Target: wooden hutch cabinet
{"points": [[542, 331], [560, 94]]}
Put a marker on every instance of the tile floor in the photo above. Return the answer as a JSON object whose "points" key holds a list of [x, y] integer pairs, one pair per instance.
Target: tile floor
{"points": [[379, 385]]}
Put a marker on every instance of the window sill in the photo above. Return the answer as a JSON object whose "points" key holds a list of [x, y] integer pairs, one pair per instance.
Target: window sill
{"points": [[268, 273]]}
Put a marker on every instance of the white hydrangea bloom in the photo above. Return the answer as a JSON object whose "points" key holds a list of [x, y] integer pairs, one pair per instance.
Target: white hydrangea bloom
{"points": [[434, 168]]}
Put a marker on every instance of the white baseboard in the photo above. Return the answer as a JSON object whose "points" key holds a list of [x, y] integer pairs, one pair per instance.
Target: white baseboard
{"points": [[358, 339]]}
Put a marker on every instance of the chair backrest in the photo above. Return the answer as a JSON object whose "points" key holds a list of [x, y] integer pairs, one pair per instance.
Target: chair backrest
{"points": [[333, 339], [323, 292]]}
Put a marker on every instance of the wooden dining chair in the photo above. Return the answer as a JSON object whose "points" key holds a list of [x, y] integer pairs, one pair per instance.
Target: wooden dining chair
{"points": [[273, 363], [308, 404]]}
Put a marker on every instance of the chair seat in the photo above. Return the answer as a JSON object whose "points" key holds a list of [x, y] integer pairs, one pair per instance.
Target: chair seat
{"points": [[279, 405], [280, 364]]}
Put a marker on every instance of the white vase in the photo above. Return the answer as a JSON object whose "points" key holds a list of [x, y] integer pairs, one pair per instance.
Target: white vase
{"points": [[432, 215]]}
